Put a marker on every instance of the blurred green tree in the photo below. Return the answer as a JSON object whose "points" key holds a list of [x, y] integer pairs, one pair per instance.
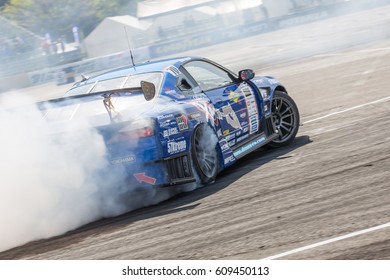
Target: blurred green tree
{"points": [[3, 2], [58, 17]]}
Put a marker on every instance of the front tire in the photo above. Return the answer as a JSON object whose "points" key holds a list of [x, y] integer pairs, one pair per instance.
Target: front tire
{"points": [[285, 116], [205, 154]]}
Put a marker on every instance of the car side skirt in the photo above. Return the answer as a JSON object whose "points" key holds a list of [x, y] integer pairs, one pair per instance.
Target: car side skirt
{"points": [[257, 141]]}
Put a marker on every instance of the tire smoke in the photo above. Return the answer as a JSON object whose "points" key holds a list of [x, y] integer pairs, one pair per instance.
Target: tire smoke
{"points": [[51, 185]]}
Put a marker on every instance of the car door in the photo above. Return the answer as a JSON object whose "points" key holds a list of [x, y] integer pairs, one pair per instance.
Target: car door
{"points": [[235, 104]]}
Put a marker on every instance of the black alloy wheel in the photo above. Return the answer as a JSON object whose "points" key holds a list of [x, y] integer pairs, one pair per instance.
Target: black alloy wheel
{"points": [[205, 154], [285, 116]]}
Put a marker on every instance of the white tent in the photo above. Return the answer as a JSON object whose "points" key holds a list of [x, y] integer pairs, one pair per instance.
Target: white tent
{"points": [[110, 36]]}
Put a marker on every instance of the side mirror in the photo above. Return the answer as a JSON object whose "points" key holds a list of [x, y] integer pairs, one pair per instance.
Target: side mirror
{"points": [[148, 89], [246, 75]]}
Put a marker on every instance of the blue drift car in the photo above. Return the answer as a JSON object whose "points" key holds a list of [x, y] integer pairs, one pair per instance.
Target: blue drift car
{"points": [[179, 120]]}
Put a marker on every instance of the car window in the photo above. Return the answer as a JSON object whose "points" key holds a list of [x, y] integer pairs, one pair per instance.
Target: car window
{"points": [[183, 84], [207, 75]]}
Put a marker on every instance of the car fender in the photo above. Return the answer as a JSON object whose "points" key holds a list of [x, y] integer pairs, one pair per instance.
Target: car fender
{"points": [[269, 82]]}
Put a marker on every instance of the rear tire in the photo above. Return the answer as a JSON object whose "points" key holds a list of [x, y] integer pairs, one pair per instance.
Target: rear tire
{"points": [[285, 116], [204, 153]]}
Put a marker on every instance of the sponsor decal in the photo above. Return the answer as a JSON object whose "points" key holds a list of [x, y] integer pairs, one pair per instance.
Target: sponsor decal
{"points": [[182, 122], [250, 101], [219, 133], [229, 137], [177, 146], [207, 108], [243, 137], [234, 96], [224, 146], [172, 70], [258, 80], [230, 116], [166, 116], [229, 159], [246, 129], [167, 123], [249, 146], [247, 91], [253, 124], [232, 143], [194, 116], [170, 131], [226, 132], [124, 160], [251, 106], [238, 133], [141, 177], [243, 115]]}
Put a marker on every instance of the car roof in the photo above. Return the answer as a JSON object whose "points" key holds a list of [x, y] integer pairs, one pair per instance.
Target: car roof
{"points": [[148, 66]]}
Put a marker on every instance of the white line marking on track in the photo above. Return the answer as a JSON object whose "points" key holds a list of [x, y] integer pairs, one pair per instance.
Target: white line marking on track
{"points": [[352, 52], [349, 109], [373, 50], [327, 241]]}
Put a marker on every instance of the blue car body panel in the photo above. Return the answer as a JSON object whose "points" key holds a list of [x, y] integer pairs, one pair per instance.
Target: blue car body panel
{"points": [[239, 113]]}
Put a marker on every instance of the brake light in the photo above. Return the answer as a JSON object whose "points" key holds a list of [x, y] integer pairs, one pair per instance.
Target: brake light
{"points": [[145, 132], [136, 129], [123, 136]]}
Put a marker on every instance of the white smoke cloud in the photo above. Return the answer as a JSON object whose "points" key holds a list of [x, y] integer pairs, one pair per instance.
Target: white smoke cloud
{"points": [[50, 185], [46, 187]]}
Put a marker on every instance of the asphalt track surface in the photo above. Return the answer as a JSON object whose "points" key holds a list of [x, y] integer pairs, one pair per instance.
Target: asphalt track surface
{"points": [[327, 196]]}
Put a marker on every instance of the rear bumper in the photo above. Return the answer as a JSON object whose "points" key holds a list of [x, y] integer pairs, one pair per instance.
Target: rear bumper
{"points": [[142, 164], [170, 171]]}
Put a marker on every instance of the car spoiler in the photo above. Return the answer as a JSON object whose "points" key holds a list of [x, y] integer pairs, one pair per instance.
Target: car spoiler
{"points": [[63, 101], [148, 90]]}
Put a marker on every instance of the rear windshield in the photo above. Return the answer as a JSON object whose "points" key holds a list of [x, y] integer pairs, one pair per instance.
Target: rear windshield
{"points": [[126, 82]]}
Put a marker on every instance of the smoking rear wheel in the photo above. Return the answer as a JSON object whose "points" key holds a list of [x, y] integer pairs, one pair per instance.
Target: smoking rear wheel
{"points": [[204, 153], [285, 116]]}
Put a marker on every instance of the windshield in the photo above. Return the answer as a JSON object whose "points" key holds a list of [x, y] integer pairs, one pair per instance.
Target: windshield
{"points": [[125, 82]]}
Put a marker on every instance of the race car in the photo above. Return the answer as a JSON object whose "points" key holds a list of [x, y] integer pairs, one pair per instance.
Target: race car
{"points": [[180, 120]]}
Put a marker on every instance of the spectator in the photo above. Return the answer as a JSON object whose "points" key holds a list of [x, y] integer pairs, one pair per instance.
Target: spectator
{"points": [[62, 43], [45, 46]]}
